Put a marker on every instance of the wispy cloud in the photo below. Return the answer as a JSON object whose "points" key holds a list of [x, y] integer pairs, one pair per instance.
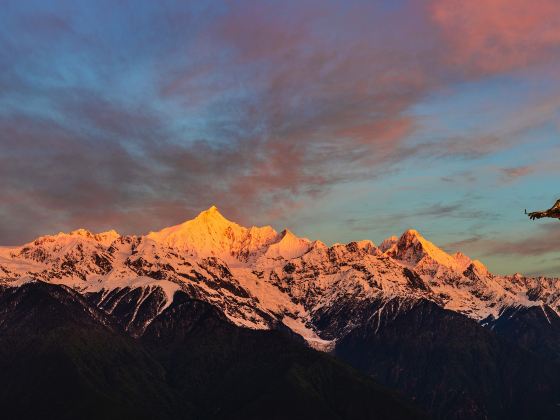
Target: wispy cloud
{"points": [[511, 174], [545, 240], [459, 210], [140, 119], [498, 35]]}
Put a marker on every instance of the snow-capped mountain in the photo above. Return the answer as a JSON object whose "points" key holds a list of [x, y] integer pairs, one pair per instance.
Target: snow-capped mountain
{"points": [[260, 278], [211, 235]]}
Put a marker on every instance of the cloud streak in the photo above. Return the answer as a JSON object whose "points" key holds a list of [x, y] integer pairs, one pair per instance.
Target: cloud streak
{"points": [[140, 119], [498, 35], [544, 241], [513, 173]]}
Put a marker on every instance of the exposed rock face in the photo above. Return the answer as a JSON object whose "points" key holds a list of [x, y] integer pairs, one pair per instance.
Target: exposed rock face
{"points": [[258, 277], [450, 364], [63, 356], [461, 342]]}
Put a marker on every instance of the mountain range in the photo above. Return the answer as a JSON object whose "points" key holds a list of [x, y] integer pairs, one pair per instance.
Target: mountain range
{"points": [[210, 319]]}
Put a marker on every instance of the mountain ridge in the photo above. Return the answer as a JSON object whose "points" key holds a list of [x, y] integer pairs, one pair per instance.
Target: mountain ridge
{"points": [[258, 276], [405, 313]]}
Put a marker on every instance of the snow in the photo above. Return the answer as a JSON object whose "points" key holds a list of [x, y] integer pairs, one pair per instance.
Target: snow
{"points": [[388, 243], [314, 341], [211, 234], [289, 247], [108, 237], [479, 267], [255, 275], [412, 247], [545, 314]]}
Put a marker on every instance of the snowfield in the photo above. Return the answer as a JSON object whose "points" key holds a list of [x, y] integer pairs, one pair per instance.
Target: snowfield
{"points": [[260, 278]]}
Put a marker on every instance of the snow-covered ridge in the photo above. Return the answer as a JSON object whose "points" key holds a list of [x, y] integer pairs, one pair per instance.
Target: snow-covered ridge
{"points": [[211, 235], [259, 278]]}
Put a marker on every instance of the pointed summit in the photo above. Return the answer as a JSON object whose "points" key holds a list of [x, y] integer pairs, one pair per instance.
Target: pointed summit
{"points": [[289, 246], [211, 214], [212, 210], [412, 248], [210, 234], [412, 234], [388, 243], [287, 235], [106, 238], [81, 232]]}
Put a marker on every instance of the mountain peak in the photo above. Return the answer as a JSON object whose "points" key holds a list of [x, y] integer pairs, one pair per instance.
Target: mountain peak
{"points": [[213, 210], [289, 246], [287, 234], [81, 232], [208, 227], [107, 237], [212, 213], [412, 233], [412, 247], [103, 237], [388, 243], [211, 234]]}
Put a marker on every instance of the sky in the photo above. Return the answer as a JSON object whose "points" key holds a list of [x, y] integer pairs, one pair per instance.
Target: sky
{"points": [[340, 120]]}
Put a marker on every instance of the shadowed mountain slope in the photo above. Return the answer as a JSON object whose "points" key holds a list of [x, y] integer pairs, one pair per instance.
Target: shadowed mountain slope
{"points": [[63, 358]]}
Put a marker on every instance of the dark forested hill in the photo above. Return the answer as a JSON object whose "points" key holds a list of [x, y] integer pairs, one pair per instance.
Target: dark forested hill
{"points": [[62, 358]]}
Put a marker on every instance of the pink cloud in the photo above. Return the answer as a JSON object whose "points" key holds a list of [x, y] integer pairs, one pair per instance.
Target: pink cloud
{"points": [[511, 174], [498, 35]]}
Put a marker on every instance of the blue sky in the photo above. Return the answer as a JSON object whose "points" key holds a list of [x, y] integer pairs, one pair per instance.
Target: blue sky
{"points": [[342, 121]]}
